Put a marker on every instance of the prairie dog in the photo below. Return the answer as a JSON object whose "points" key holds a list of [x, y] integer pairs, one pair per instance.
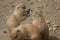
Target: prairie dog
{"points": [[19, 14], [39, 21], [38, 30], [29, 31]]}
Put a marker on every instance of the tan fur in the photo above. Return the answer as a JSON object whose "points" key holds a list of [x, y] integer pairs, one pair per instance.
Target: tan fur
{"points": [[39, 21], [38, 30], [17, 16], [29, 30]]}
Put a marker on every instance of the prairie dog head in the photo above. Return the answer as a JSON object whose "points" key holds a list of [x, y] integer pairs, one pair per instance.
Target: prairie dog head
{"points": [[21, 9], [35, 13]]}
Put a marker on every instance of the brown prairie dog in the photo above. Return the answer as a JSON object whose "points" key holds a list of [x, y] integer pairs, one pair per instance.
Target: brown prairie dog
{"points": [[26, 30], [39, 21], [38, 30], [19, 14]]}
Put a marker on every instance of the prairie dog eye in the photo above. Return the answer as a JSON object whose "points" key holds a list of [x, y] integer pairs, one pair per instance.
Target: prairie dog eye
{"points": [[24, 7], [18, 31], [17, 7]]}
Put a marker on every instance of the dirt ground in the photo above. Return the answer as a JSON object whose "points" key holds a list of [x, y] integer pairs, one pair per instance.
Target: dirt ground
{"points": [[50, 8]]}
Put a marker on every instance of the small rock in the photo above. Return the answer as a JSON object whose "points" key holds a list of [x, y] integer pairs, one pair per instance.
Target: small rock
{"points": [[50, 29], [28, 0], [55, 26], [13, 5], [5, 32], [26, 38], [57, 8], [7, 16], [45, 4], [39, 0], [5, 5], [54, 29], [10, 11], [49, 25], [31, 2], [40, 6], [48, 22], [53, 22]]}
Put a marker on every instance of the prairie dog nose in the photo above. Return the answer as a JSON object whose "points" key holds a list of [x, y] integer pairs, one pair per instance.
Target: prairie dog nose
{"points": [[27, 11]]}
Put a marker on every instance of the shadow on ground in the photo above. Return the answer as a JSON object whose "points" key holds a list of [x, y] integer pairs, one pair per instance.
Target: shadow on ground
{"points": [[53, 38]]}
